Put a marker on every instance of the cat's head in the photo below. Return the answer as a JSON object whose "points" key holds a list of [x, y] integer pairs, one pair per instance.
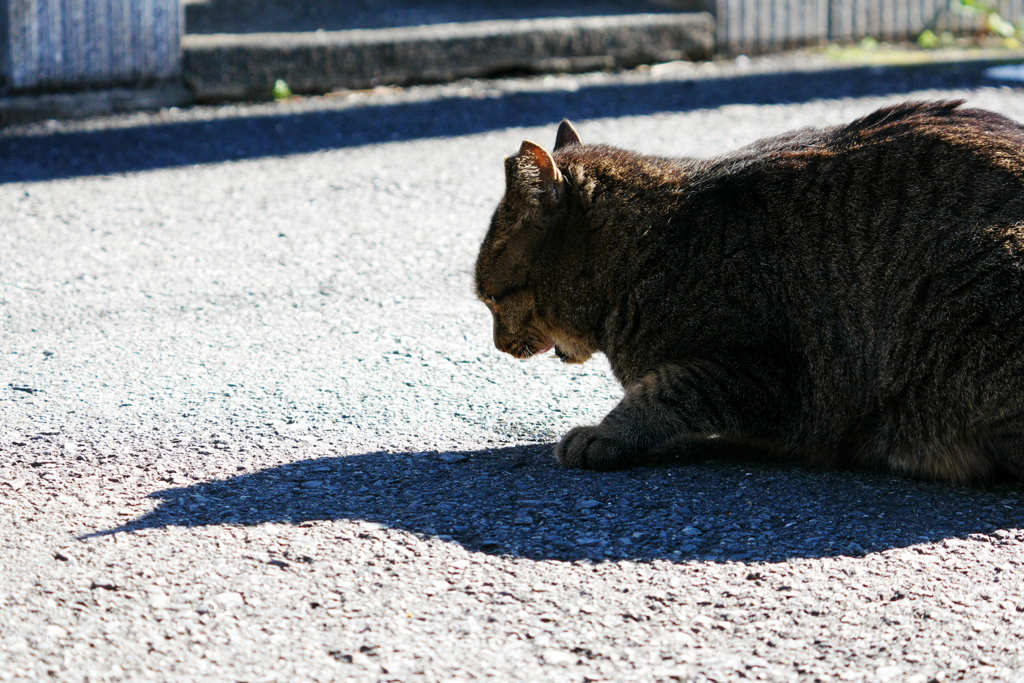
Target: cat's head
{"points": [[511, 267]]}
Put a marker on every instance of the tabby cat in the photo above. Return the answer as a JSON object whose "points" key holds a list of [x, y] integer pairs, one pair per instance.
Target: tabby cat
{"points": [[850, 295]]}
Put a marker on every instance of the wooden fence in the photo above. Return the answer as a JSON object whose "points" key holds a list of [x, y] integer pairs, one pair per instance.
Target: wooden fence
{"points": [[69, 44], [73, 44], [763, 25]]}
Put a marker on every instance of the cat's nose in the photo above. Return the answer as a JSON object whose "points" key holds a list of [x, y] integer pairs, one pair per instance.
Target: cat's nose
{"points": [[499, 345]]}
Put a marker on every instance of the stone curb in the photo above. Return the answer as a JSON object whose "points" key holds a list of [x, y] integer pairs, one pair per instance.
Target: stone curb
{"points": [[19, 109], [246, 66]]}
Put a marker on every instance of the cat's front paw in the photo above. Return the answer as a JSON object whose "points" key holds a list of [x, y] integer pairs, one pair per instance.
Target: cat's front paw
{"points": [[590, 448]]}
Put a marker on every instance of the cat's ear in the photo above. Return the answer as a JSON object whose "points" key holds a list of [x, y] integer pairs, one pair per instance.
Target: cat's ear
{"points": [[536, 160], [566, 136], [533, 175]]}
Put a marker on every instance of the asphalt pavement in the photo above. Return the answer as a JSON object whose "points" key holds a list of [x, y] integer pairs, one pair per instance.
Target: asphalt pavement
{"points": [[253, 427]]}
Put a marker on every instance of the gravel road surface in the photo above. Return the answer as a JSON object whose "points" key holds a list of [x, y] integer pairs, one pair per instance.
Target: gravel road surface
{"points": [[253, 428]]}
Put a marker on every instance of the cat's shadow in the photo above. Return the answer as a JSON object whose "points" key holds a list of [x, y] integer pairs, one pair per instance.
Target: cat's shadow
{"points": [[517, 501]]}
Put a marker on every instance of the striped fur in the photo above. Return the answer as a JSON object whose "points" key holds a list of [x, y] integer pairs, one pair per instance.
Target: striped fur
{"points": [[847, 296]]}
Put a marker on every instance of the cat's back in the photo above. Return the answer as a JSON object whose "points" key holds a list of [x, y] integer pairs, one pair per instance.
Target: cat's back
{"points": [[941, 121], [901, 174], [920, 133]]}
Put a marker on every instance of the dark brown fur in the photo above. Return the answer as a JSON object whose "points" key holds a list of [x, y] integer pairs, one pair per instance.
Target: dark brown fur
{"points": [[848, 295]]}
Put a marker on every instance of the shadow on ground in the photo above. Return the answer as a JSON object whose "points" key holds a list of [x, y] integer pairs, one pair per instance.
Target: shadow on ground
{"points": [[38, 157], [516, 501]]}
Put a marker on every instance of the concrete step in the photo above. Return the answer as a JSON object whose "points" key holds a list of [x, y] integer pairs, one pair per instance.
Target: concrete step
{"points": [[299, 16], [245, 66]]}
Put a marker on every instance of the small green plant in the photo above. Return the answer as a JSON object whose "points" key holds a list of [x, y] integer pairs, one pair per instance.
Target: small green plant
{"points": [[869, 43], [993, 24], [929, 40], [281, 90]]}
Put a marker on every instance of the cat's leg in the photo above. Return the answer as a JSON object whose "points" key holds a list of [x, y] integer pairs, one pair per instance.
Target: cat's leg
{"points": [[1007, 448], [680, 403]]}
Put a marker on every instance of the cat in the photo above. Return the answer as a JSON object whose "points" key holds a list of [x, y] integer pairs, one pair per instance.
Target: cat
{"points": [[845, 296]]}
